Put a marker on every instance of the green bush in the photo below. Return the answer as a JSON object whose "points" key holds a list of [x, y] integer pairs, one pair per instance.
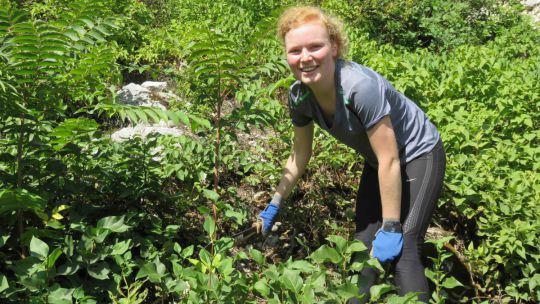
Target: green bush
{"points": [[433, 24]]}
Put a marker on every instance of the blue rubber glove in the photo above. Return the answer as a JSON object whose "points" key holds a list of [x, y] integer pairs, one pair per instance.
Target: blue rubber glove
{"points": [[268, 217], [387, 245]]}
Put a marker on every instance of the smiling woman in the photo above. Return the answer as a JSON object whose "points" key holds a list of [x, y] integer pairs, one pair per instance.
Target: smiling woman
{"points": [[310, 54], [405, 160]]}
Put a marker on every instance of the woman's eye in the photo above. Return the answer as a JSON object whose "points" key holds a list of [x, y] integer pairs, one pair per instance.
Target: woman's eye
{"points": [[294, 51], [315, 47]]}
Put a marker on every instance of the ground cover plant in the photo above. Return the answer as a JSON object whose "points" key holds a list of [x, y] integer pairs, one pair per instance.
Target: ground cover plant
{"points": [[89, 220]]}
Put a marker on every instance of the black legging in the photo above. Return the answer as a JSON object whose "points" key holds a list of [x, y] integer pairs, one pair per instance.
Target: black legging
{"points": [[422, 180]]}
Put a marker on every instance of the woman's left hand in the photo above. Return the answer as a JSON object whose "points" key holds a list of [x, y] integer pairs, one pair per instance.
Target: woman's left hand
{"points": [[387, 245]]}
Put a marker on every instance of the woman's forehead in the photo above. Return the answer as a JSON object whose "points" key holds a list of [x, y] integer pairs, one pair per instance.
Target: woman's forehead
{"points": [[306, 32]]}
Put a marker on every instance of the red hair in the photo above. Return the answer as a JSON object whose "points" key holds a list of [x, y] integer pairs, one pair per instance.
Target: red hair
{"points": [[297, 16]]}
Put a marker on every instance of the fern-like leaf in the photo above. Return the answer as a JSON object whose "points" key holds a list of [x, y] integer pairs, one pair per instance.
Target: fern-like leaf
{"points": [[142, 114]]}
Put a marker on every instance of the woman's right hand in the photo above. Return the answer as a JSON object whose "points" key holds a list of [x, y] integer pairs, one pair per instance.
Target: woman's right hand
{"points": [[268, 217], [295, 167]]}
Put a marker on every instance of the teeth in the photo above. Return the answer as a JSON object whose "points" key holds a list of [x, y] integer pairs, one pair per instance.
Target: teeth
{"points": [[308, 69]]}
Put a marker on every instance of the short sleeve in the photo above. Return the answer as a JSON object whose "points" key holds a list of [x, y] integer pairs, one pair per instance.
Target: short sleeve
{"points": [[369, 101], [299, 107]]}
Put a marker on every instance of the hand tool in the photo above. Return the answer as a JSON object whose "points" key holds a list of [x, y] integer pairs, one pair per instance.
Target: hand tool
{"points": [[244, 235]]}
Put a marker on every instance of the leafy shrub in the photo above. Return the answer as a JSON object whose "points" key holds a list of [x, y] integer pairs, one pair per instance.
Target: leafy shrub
{"points": [[432, 24]]}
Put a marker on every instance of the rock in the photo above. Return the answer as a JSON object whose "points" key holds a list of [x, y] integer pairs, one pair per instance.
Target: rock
{"points": [[532, 8], [137, 95], [150, 94], [531, 3], [133, 94], [258, 195], [166, 98], [275, 227], [155, 86], [143, 131]]}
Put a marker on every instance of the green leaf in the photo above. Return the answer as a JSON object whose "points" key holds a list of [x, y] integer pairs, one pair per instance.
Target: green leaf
{"points": [[4, 284], [96, 35], [3, 240], [113, 223], [133, 118], [97, 234], [183, 117], [291, 280], [24, 39], [69, 268], [347, 290], [262, 287], [209, 226], [38, 248], [103, 30], [187, 252], [377, 291], [178, 286], [154, 271], [205, 257], [99, 270], [151, 112], [450, 283], [325, 253], [78, 29], [430, 274], [339, 241], [226, 267], [51, 259], [302, 265], [72, 130], [356, 246], [257, 256], [21, 199], [238, 217], [72, 35], [60, 295], [121, 247], [408, 298], [211, 195], [142, 115], [199, 123]]}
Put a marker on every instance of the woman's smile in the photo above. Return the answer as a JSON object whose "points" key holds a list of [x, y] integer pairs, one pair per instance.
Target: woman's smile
{"points": [[308, 69]]}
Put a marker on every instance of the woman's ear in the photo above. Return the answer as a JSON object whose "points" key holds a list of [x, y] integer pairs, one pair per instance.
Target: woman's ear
{"points": [[335, 50]]}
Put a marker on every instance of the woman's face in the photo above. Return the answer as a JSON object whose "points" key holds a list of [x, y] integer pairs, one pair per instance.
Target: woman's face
{"points": [[310, 54]]}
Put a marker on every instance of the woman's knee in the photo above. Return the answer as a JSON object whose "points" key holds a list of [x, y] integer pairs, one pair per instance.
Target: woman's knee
{"points": [[410, 254]]}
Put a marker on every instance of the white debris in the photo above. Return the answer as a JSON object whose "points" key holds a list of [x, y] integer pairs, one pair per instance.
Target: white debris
{"points": [[143, 131], [532, 8], [531, 3], [155, 86], [137, 95], [149, 94]]}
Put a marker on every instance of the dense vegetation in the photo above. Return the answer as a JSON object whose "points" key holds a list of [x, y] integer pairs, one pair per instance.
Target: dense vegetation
{"points": [[89, 220]]}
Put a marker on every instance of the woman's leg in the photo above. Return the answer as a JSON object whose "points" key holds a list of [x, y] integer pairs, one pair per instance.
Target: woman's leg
{"points": [[422, 184], [368, 221], [422, 181]]}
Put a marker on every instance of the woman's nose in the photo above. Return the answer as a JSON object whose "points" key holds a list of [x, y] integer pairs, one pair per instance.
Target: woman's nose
{"points": [[306, 55]]}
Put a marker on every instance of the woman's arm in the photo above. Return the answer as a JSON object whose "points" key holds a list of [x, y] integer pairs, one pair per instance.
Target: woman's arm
{"points": [[383, 142], [295, 167], [297, 161]]}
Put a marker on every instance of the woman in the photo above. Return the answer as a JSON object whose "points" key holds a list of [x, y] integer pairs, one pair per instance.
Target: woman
{"points": [[404, 156]]}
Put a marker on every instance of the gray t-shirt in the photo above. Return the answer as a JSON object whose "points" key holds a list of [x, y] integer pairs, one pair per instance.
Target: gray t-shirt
{"points": [[363, 97]]}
